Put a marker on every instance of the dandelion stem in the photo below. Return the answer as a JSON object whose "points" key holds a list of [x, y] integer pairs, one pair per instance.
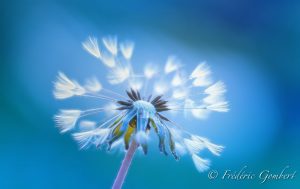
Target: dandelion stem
{"points": [[125, 166]]}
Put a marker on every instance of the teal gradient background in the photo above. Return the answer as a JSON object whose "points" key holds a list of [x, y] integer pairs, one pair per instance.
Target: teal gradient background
{"points": [[253, 46]]}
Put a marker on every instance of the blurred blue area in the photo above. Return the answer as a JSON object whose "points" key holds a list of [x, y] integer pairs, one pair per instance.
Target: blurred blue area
{"points": [[253, 46]]}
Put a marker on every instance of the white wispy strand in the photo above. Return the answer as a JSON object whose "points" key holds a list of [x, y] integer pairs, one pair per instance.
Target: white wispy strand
{"points": [[172, 64], [93, 85], [66, 119], [92, 47], [200, 163], [150, 70], [118, 75], [213, 148], [216, 89], [201, 75], [219, 107], [127, 49], [96, 136], [111, 44], [65, 88], [141, 137]]}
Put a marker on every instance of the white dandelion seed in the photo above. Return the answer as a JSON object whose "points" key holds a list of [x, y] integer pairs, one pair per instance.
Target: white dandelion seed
{"points": [[93, 85], [96, 136], [201, 81], [141, 137], [127, 49], [201, 70], [67, 119], [219, 107], [119, 144], [180, 149], [172, 64], [213, 99], [150, 70], [108, 60], [200, 113], [110, 108], [178, 80], [193, 146], [160, 87], [111, 44], [136, 84], [200, 163], [118, 75], [201, 75], [87, 125], [180, 93], [135, 113], [213, 148], [66, 88], [216, 89], [92, 47]]}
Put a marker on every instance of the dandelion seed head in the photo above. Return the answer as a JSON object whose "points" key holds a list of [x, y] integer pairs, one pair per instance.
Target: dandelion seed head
{"points": [[143, 107]]}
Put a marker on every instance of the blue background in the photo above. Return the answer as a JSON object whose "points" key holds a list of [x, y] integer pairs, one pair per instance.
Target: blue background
{"points": [[253, 46]]}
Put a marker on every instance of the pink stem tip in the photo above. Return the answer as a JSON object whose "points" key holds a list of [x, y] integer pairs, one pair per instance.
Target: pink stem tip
{"points": [[125, 166]]}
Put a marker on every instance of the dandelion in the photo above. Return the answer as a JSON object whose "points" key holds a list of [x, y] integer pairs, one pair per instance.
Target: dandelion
{"points": [[134, 113]]}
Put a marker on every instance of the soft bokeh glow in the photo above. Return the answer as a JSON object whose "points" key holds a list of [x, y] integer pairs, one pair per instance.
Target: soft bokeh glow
{"points": [[252, 47]]}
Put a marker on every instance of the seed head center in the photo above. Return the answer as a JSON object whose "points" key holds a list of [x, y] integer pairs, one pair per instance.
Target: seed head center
{"points": [[147, 106]]}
